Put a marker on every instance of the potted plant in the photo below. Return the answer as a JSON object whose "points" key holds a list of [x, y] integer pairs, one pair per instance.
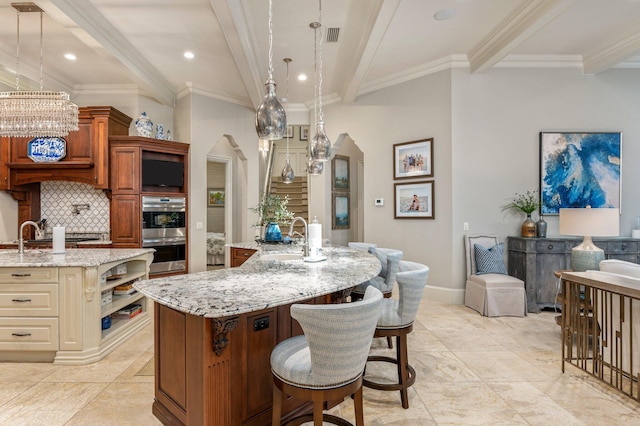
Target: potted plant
{"points": [[526, 203], [272, 211]]}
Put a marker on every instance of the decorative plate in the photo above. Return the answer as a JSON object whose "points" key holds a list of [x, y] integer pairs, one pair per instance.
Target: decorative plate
{"points": [[47, 150]]}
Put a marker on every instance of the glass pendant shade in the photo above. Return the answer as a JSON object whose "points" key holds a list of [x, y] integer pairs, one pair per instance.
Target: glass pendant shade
{"points": [[287, 173], [37, 114], [315, 167], [271, 119], [320, 144]]}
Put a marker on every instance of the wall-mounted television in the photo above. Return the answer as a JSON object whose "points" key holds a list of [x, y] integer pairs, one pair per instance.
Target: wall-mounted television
{"points": [[162, 173]]}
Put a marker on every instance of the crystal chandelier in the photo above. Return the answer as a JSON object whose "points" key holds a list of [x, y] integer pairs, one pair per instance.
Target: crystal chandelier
{"points": [[35, 113], [320, 145], [314, 167], [287, 172], [271, 119]]}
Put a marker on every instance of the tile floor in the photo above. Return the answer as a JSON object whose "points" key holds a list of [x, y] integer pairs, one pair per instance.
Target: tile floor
{"points": [[470, 370]]}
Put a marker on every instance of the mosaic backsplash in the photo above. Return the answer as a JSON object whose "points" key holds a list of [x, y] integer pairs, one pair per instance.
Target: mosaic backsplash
{"points": [[80, 208]]}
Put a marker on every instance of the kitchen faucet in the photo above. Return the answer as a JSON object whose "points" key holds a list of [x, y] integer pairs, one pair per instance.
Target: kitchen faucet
{"points": [[306, 233], [21, 239]]}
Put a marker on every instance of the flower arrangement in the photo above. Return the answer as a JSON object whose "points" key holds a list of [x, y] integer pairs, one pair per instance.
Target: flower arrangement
{"points": [[272, 208], [526, 203]]}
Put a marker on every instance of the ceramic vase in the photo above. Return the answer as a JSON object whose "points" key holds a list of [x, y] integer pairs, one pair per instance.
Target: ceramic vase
{"points": [[529, 227], [144, 126], [159, 131], [273, 233]]}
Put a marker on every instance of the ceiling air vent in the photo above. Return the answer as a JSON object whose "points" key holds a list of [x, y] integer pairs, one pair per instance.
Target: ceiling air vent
{"points": [[332, 35]]}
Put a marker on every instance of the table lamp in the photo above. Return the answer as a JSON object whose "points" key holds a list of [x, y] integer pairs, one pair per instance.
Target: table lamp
{"points": [[588, 222]]}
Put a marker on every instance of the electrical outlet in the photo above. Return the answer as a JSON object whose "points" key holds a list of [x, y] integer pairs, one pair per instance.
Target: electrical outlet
{"points": [[378, 202], [465, 226]]}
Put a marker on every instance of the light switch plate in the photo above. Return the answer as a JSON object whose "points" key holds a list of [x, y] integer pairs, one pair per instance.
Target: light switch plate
{"points": [[378, 202], [199, 225]]}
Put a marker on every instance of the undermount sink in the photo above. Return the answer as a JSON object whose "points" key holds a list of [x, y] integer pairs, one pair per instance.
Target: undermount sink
{"points": [[281, 256]]}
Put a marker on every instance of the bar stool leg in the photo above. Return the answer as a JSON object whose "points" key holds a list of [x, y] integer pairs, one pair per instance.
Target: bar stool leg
{"points": [[403, 374], [318, 406], [276, 411], [358, 406]]}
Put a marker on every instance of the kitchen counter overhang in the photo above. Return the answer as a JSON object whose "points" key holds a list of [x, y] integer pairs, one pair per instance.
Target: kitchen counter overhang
{"points": [[261, 284]]}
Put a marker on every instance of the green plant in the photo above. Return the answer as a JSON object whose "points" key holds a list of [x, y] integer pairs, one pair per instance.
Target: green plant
{"points": [[272, 208], [526, 203]]}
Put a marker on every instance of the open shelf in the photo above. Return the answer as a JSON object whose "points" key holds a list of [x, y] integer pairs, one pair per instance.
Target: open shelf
{"points": [[118, 324], [120, 302]]}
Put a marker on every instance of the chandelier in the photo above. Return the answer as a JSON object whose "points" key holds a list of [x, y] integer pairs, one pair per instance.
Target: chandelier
{"points": [[320, 146], [35, 113], [287, 172], [271, 119]]}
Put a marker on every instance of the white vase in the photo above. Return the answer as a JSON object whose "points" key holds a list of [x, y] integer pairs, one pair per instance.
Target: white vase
{"points": [[144, 126]]}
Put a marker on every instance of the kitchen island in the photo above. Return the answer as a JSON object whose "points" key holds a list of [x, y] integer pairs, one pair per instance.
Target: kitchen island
{"points": [[51, 305], [214, 331]]}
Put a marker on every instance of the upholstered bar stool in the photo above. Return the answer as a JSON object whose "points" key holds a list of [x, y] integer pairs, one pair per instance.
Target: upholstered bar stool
{"points": [[385, 281], [396, 319], [327, 362]]}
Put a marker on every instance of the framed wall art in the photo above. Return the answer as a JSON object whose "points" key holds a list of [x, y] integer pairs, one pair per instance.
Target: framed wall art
{"points": [[413, 159], [304, 133], [579, 169], [340, 173], [216, 197], [289, 132], [414, 200], [341, 212]]}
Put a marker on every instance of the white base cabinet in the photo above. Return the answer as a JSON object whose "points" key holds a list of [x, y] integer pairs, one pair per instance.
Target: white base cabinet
{"points": [[55, 314]]}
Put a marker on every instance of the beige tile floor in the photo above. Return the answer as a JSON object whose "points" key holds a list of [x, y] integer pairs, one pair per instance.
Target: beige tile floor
{"points": [[470, 370]]}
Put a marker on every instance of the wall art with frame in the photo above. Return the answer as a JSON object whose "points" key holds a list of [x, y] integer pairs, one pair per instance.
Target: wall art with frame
{"points": [[413, 159], [340, 211], [414, 200], [215, 197], [340, 173], [579, 169]]}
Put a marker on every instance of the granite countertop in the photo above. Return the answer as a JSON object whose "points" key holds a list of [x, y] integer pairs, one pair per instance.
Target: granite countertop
{"points": [[261, 283], [71, 257]]}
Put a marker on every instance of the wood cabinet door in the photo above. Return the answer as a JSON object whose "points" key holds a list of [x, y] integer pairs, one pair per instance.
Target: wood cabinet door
{"points": [[4, 158], [125, 170], [126, 219]]}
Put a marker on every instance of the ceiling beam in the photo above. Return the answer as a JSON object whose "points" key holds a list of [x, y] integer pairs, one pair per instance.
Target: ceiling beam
{"points": [[381, 15], [232, 19], [526, 19], [92, 26], [618, 48]]}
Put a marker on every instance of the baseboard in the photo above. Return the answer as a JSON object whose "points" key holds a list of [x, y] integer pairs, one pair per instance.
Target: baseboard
{"points": [[450, 296]]}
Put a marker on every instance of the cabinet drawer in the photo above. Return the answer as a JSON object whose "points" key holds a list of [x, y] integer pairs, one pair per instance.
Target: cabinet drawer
{"points": [[28, 275], [29, 334], [622, 247], [240, 255], [551, 247], [33, 300]]}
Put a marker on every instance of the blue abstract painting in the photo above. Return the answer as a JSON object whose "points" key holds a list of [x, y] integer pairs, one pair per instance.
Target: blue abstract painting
{"points": [[579, 170]]}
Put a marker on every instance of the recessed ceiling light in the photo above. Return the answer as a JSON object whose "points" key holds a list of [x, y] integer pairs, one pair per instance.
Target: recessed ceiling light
{"points": [[444, 14], [302, 77], [189, 54], [70, 56]]}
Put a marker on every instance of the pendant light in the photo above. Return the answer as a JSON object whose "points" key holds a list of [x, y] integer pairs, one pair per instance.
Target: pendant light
{"points": [[320, 144], [314, 167], [287, 172], [35, 113], [271, 119]]}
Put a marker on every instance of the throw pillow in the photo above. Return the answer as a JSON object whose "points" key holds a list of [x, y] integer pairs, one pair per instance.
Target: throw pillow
{"points": [[490, 260]]}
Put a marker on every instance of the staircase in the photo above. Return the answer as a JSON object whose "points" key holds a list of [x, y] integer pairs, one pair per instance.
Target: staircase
{"points": [[298, 198]]}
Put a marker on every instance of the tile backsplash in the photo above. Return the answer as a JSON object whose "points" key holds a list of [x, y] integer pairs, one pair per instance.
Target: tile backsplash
{"points": [[80, 208]]}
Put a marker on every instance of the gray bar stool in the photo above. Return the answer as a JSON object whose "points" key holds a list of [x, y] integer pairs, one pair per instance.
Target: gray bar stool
{"points": [[396, 320], [361, 246], [386, 280], [327, 362]]}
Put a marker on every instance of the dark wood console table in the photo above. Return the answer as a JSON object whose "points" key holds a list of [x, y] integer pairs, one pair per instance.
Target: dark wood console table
{"points": [[534, 261]]}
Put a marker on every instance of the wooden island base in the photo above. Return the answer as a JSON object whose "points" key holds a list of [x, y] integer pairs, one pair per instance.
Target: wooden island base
{"points": [[217, 371]]}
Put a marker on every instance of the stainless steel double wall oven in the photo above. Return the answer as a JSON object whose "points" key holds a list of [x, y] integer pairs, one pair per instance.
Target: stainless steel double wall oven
{"points": [[164, 229]]}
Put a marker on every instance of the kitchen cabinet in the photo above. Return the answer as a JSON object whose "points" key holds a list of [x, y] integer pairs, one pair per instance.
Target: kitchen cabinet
{"points": [[4, 169], [55, 313], [240, 255], [534, 260], [126, 219]]}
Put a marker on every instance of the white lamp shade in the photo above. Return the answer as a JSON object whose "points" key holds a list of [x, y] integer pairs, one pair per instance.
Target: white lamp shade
{"points": [[601, 222]]}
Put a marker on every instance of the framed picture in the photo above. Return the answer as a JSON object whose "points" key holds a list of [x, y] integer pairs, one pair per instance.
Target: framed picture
{"points": [[340, 173], [341, 213], [289, 133], [304, 133], [579, 170], [414, 200], [216, 197], [413, 159]]}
